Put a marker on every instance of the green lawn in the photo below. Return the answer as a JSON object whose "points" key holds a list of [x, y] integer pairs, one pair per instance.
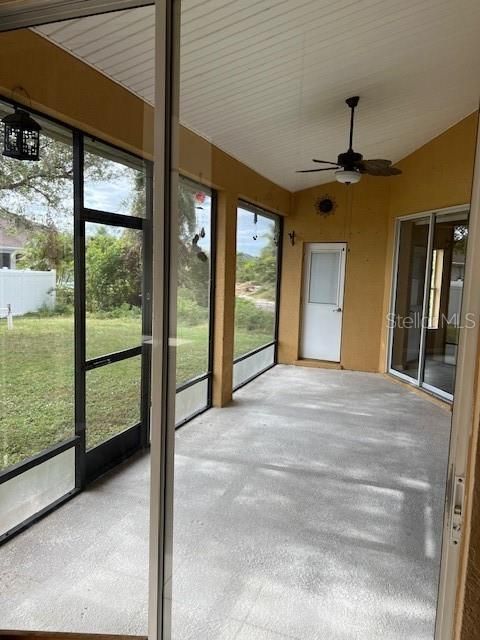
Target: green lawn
{"points": [[36, 377]]}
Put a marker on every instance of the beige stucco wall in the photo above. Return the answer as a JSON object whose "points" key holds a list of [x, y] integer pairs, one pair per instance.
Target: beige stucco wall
{"points": [[437, 175], [360, 220]]}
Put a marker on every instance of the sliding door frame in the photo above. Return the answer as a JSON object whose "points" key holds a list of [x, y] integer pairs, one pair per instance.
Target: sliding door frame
{"points": [[432, 215], [164, 316], [161, 408], [464, 434]]}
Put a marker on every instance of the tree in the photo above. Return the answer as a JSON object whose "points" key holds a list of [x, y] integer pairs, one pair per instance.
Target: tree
{"points": [[41, 193], [193, 271], [36, 200], [261, 270], [50, 249], [113, 271]]}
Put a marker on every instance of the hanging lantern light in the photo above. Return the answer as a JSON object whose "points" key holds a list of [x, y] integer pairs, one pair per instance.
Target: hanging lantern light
{"points": [[21, 136]]}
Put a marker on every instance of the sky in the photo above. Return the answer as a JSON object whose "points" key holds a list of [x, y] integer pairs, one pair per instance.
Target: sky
{"points": [[116, 195]]}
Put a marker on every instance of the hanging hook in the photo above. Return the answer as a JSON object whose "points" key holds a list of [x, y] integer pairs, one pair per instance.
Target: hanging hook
{"points": [[16, 89]]}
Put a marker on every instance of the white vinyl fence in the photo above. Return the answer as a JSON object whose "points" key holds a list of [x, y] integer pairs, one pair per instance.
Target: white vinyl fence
{"points": [[26, 291]]}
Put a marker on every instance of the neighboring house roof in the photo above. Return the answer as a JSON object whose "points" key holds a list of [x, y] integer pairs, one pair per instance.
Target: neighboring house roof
{"points": [[13, 233]]}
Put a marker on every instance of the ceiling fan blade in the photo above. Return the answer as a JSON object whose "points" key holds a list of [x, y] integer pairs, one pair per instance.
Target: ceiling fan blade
{"points": [[374, 164], [315, 170], [377, 168], [324, 162]]}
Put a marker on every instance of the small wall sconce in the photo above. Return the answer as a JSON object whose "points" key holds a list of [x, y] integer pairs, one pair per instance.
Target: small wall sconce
{"points": [[292, 236]]}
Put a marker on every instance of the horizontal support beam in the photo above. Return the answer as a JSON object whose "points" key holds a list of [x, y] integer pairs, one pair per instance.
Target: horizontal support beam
{"points": [[20, 14], [110, 358], [39, 458]]}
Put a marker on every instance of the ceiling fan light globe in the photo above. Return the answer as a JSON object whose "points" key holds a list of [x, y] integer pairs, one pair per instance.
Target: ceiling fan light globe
{"points": [[347, 177]]}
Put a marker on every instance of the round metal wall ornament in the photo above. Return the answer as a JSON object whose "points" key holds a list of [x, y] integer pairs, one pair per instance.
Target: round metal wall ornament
{"points": [[325, 206]]}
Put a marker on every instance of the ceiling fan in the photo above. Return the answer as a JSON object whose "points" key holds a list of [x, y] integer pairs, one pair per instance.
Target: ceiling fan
{"points": [[350, 165]]}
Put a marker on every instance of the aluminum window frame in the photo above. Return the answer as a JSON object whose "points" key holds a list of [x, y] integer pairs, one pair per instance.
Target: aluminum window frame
{"points": [[206, 375], [278, 219], [81, 215]]}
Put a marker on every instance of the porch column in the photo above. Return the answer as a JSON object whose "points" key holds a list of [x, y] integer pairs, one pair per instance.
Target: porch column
{"points": [[224, 298]]}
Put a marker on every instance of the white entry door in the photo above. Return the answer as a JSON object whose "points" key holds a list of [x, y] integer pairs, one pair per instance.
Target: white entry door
{"points": [[324, 279]]}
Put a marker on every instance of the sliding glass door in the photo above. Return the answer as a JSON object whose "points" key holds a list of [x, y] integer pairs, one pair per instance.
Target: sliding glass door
{"points": [[256, 292], [425, 319]]}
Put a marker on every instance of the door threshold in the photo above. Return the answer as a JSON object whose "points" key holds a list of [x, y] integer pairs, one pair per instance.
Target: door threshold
{"points": [[6, 634], [421, 391], [318, 364]]}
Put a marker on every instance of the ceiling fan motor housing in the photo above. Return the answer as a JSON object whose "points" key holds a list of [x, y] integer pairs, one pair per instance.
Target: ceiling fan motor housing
{"points": [[349, 159]]}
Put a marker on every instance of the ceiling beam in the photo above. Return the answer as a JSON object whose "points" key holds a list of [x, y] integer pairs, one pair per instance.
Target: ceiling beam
{"points": [[20, 14]]}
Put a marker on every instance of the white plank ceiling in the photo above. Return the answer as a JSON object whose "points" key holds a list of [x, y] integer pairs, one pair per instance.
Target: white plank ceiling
{"points": [[265, 80]]}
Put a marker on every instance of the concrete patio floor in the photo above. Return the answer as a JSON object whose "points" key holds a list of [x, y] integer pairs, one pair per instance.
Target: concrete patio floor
{"points": [[311, 508]]}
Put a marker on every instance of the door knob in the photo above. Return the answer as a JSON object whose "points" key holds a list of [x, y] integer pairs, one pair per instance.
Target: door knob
{"points": [[337, 310]]}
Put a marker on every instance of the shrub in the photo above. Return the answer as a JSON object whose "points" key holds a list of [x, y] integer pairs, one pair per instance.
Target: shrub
{"points": [[122, 311], [114, 272], [249, 316], [189, 312]]}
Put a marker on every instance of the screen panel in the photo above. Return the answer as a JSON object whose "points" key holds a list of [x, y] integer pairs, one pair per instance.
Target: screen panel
{"points": [[35, 489], [251, 366]]}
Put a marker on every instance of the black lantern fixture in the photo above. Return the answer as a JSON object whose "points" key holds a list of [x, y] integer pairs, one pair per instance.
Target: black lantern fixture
{"points": [[21, 136]]}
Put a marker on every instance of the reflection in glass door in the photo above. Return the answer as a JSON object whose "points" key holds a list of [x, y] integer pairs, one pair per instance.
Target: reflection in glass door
{"points": [[425, 323], [444, 301], [411, 271]]}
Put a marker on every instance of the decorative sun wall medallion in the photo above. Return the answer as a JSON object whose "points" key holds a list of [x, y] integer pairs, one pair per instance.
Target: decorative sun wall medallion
{"points": [[325, 206]]}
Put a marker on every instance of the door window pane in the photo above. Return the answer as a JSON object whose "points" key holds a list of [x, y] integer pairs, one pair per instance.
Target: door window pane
{"points": [[407, 321], [36, 298], [194, 274], [113, 181], [445, 299], [113, 399], [113, 272], [324, 273], [256, 279]]}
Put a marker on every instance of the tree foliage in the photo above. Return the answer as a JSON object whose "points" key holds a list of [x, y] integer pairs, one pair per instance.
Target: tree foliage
{"points": [[36, 201], [260, 271], [193, 272], [113, 271], [49, 249]]}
